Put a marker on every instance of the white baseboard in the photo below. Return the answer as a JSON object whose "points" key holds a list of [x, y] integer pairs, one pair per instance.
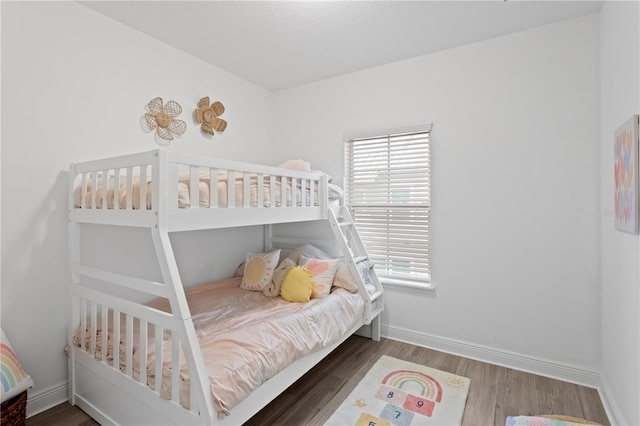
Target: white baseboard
{"points": [[610, 406], [542, 367], [42, 400]]}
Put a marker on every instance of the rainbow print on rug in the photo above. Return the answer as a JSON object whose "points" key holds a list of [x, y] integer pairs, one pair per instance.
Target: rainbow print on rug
{"points": [[12, 375], [401, 393]]}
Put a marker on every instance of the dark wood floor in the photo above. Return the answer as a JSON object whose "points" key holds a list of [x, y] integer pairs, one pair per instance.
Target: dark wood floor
{"points": [[495, 392]]}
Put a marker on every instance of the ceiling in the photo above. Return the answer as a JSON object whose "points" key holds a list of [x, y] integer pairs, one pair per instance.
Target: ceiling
{"points": [[282, 44]]}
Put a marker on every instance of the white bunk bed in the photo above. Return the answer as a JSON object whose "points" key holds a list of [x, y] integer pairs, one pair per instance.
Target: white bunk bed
{"points": [[182, 193]]}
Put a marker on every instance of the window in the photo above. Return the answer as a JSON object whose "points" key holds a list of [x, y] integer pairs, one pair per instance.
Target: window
{"points": [[388, 193]]}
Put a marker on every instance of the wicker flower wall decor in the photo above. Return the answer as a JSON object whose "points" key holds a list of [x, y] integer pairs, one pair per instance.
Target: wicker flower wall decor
{"points": [[162, 119], [208, 116]]}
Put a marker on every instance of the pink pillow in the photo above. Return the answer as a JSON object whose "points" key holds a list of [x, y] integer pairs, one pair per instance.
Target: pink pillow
{"points": [[299, 165], [343, 277], [323, 272]]}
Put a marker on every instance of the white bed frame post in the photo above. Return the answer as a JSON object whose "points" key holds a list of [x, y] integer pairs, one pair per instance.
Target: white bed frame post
{"points": [[74, 279], [268, 237], [171, 277]]}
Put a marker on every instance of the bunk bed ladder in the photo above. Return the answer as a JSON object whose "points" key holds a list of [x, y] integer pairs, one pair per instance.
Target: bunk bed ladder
{"points": [[360, 266]]}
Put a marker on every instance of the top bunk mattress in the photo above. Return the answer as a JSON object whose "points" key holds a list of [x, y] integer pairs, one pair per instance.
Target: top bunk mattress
{"points": [[298, 196]]}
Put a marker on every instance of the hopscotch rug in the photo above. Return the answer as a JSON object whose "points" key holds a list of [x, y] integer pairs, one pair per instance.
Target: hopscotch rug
{"points": [[401, 393]]}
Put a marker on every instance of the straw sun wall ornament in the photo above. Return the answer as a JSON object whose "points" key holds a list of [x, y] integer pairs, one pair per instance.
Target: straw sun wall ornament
{"points": [[162, 119], [208, 116]]}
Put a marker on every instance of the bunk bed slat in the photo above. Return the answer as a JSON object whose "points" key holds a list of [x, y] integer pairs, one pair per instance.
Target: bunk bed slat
{"points": [[104, 189], [129, 188], [246, 190], [116, 189], [260, 192], [213, 188], [116, 338], [294, 192], [83, 321], [283, 190], [193, 403], [231, 189], [159, 334], [312, 191], [171, 173], [83, 195], [94, 330], [142, 350], [105, 334], [175, 367], [94, 190], [194, 187], [128, 345], [143, 187], [303, 192], [273, 189]]}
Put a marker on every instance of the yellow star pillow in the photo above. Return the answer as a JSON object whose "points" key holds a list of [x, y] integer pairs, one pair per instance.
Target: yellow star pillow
{"points": [[258, 270], [296, 285]]}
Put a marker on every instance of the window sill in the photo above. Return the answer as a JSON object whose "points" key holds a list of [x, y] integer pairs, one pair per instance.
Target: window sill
{"points": [[408, 286]]}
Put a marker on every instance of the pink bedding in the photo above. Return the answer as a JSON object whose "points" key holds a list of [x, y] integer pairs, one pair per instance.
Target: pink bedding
{"points": [[335, 193], [247, 338]]}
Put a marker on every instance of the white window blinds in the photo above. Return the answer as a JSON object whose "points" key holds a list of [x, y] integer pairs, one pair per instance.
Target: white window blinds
{"points": [[387, 186]]}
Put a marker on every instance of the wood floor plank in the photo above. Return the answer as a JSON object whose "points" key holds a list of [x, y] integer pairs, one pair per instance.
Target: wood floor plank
{"points": [[502, 412], [61, 415], [495, 392], [514, 391], [591, 405], [569, 401], [481, 400], [543, 402], [545, 384]]}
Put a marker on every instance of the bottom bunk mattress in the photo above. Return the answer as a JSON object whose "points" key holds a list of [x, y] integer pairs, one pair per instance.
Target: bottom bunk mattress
{"points": [[245, 337]]}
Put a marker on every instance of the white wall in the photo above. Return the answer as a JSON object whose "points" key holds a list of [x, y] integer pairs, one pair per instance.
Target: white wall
{"points": [[74, 86], [620, 95], [517, 143], [515, 164]]}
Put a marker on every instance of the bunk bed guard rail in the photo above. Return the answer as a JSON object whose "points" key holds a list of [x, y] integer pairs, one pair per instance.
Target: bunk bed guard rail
{"points": [[180, 191]]}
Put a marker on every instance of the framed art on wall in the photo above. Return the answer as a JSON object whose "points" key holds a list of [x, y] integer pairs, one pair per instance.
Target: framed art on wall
{"points": [[626, 175]]}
